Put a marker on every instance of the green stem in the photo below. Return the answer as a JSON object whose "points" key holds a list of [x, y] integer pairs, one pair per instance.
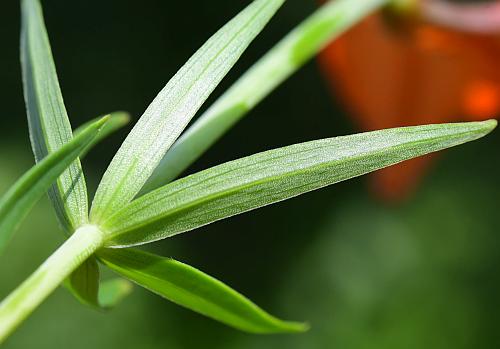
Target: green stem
{"points": [[24, 299], [290, 54]]}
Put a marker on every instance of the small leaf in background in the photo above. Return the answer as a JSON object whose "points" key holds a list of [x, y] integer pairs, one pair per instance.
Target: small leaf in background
{"points": [[261, 179], [22, 196], [85, 285], [195, 290], [48, 121], [175, 105], [112, 292], [284, 59]]}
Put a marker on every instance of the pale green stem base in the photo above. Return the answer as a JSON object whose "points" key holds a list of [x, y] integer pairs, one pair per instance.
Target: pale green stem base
{"points": [[24, 299]]}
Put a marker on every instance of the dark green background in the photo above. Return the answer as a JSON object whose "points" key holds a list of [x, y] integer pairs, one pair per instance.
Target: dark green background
{"points": [[422, 274]]}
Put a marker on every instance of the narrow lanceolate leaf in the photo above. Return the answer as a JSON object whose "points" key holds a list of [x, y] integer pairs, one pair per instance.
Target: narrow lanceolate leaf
{"points": [[195, 290], [49, 125], [289, 55], [85, 285], [22, 196], [275, 175], [174, 107]]}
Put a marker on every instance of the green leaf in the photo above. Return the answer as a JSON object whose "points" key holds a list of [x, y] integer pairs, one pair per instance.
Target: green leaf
{"points": [[112, 292], [284, 59], [22, 196], [195, 290], [84, 285], [275, 175], [116, 121], [49, 125], [174, 107]]}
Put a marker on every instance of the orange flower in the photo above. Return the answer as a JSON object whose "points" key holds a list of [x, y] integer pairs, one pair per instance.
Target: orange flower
{"points": [[427, 69]]}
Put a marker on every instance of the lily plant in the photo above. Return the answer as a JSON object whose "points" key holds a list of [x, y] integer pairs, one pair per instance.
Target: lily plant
{"points": [[140, 201]]}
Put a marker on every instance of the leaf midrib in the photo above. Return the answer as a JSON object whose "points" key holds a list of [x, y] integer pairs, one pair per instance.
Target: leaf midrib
{"points": [[182, 98], [232, 190], [264, 316]]}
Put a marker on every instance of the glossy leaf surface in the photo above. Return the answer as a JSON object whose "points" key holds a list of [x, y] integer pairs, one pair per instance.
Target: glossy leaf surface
{"points": [[173, 108], [195, 290], [261, 179]]}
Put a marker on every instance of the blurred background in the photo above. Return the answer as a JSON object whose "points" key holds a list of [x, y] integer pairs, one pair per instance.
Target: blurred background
{"points": [[419, 271]]}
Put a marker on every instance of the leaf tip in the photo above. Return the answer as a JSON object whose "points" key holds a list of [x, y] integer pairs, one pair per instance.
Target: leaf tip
{"points": [[284, 327], [296, 327], [103, 120], [490, 124], [121, 117], [100, 124]]}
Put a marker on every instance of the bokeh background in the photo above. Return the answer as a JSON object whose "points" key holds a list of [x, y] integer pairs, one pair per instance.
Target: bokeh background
{"points": [[422, 273]]}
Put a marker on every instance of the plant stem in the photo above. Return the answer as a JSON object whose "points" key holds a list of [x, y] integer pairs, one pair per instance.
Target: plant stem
{"points": [[33, 291], [290, 54]]}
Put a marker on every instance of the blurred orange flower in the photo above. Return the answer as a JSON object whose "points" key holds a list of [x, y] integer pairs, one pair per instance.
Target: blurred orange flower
{"points": [[440, 64]]}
